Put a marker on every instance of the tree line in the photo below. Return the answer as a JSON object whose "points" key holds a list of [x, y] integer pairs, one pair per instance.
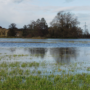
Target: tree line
{"points": [[64, 25]]}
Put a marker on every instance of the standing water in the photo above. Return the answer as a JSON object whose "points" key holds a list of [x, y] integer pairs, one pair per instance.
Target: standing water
{"points": [[44, 64], [55, 56]]}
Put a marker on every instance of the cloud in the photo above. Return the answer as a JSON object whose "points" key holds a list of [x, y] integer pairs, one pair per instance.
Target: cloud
{"points": [[27, 10], [11, 1], [72, 8], [69, 0], [84, 17], [81, 8], [17, 1]]}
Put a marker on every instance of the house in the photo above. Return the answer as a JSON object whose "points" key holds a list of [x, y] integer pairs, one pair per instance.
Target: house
{"points": [[19, 32], [3, 32]]}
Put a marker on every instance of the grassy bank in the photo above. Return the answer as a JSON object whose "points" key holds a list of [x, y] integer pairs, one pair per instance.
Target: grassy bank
{"points": [[40, 38], [26, 37]]}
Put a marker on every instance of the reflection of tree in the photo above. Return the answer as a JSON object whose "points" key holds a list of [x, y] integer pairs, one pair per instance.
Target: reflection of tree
{"points": [[12, 49], [39, 52], [63, 55]]}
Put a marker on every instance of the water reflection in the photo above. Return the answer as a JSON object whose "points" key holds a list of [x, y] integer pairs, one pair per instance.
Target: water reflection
{"points": [[12, 49], [63, 55], [39, 52], [59, 55]]}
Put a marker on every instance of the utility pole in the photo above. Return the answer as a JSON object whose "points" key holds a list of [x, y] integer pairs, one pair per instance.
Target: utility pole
{"points": [[85, 26], [86, 30]]}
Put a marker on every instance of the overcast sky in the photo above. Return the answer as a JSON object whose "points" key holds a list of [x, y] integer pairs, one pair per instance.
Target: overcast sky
{"points": [[22, 12]]}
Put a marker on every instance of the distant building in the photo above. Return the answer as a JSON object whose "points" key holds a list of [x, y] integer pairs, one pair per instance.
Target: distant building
{"points": [[19, 32], [3, 32]]}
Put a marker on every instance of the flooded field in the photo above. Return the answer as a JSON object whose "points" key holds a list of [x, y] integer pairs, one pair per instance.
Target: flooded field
{"points": [[57, 61]]}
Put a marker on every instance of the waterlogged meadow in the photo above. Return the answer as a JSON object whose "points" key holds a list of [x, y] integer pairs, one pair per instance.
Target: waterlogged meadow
{"points": [[44, 67]]}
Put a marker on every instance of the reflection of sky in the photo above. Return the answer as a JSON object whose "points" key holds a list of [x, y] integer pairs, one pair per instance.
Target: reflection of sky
{"points": [[51, 51], [44, 43], [51, 56]]}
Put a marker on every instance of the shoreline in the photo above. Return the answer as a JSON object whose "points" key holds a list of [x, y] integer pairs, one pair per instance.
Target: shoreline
{"points": [[42, 38]]}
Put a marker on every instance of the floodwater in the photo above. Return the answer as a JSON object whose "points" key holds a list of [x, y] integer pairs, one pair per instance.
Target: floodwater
{"points": [[54, 55]]}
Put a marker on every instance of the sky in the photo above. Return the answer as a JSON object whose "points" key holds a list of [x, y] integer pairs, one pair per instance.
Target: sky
{"points": [[22, 12]]}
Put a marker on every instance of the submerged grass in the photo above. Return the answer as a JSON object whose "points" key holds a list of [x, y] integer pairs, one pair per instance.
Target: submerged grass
{"points": [[3, 64], [20, 76], [35, 64], [88, 69], [39, 72], [16, 71], [14, 64], [24, 64], [30, 64], [38, 82]]}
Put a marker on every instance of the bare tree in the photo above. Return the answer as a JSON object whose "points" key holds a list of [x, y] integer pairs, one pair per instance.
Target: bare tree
{"points": [[25, 27], [63, 19], [12, 28]]}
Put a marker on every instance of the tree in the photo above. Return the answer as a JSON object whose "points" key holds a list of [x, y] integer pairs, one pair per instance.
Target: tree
{"points": [[43, 24], [66, 24], [25, 27], [12, 28], [32, 25], [38, 21], [43, 27], [63, 19], [24, 31], [38, 27]]}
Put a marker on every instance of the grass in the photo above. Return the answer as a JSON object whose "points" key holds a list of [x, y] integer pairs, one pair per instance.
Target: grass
{"points": [[57, 82], [16, 71], [34, 71], [17, 79], [20, 76], [14, 64], [3, 73], [33, 64], [30, 64], [4, 64], [43, 63], [27, 72], [24, 64], [88, 69], [39, 72]]}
